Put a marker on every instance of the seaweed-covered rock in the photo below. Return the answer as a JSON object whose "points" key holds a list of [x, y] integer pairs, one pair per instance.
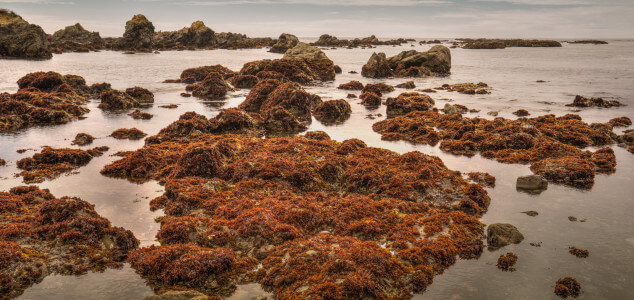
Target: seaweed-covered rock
{"points": [[620, 122], [468, 88], [83, 139], [552, 144], [454, 109], [284, 42], [332, 111], [482, 178], [507, 261], [212, 87], [352, 85], [141, 95], [139, 34], [20, 39], [370, 99], [407, 85], [244, 81], [129, 134], [232, 120], [567, 287], [117, 100], [502, 234], [43, 98], [300, 203], [581, 101], [278, 120], [139, 115], [408, 102], [51, 162], [377, 67], [41, 235]]}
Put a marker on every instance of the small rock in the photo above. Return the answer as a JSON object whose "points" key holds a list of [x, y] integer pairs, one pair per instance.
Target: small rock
{"points": [[502, 234], [572, 219], [531, 213], [532, 184]]}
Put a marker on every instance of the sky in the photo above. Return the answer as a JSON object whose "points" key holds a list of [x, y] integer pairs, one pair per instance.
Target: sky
{"points": [[558, 19]]}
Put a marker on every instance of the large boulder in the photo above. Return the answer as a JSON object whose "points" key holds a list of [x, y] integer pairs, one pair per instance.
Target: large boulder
{"points": [[139, 33], [284, 42], [436, 61], [20, 39], [502, 234], [316, 59], [200, 35], [377, 67], [76, 33]]}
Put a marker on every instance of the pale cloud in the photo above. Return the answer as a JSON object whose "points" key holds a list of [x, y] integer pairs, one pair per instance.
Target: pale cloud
{"points": [[37, 2], [320, 2]]}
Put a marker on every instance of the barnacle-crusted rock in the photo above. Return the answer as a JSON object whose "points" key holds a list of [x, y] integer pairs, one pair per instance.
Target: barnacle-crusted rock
{"points": [[332, 111], [284, 42], [502, 234], [20, 39], [42, 235], [52, 162], [557, 141], [308, 210]]}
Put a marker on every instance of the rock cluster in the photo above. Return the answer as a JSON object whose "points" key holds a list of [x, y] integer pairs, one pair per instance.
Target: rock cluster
{"points": [[501, 43], [436, 61], [42, 235], [326, 40], [51, 162]]}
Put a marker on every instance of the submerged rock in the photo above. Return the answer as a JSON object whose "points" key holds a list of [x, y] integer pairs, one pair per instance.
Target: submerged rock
{"points": [[533, 184], [502, 234], [20, 39], [507, 261], [408, 102]]}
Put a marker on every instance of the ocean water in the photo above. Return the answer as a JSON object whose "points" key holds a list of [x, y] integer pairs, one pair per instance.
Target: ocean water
{"points": [[590, 70]]}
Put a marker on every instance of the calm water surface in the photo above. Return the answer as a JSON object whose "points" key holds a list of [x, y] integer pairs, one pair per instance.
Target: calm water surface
{"points": [[591, 70]]}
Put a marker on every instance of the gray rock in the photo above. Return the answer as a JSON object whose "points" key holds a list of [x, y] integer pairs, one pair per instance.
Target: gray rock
{"points": [[502, 234], [284, 42], [305, 52], [436, 60], [20, 39], [533, 184], [377, 67], [454, 109]]}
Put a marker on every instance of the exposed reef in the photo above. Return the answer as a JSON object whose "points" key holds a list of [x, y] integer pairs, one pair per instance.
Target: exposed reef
{"points": [[326, 40], [581, 101], [51, 162], [304, 216], [502, 43], [436, 62], [552, 145], [41, 235], [44, 98]]}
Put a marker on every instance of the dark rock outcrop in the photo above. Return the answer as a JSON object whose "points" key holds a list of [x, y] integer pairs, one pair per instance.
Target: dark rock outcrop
{"points": [[76, 33], [284, 42], [20, 39], [139, 34], [436, 61], [502, 43], [377, 67]]}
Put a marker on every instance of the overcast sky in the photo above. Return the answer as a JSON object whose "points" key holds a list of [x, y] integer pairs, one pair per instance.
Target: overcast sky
{"points": [[347, 18]]}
